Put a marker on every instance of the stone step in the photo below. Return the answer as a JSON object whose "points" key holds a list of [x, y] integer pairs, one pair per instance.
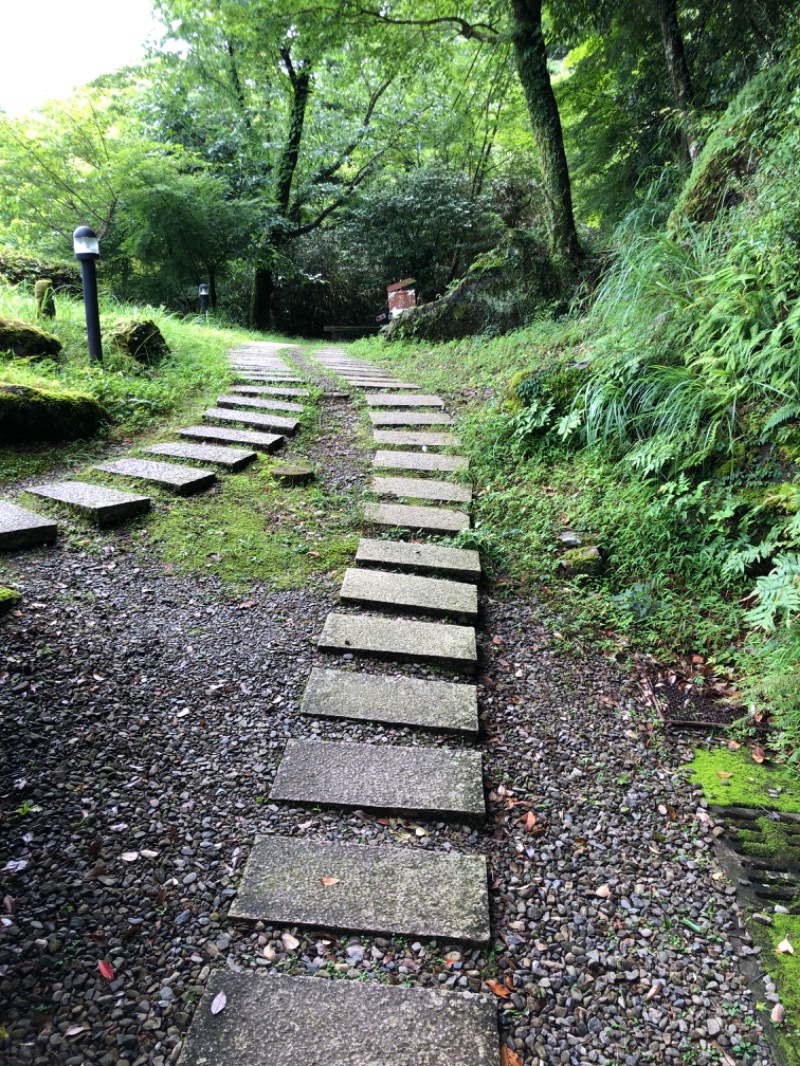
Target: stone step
{"points": [[406, 891], [460, 563], [275, 1020], [443, 706], [24, 529], [392, 638], [386, 460], [409, 418], [96, 501], [184, 480], [418, 488], [267, 390], [262, 442], [422, 519], [228, 458], [372, 383], [259, 403], [388, 399], [415, 440], [252, 375], [292, 473], [418, 782], [426, 595], [287, 426]]}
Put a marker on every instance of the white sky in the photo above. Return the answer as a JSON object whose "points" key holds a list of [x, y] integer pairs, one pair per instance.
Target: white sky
{"points": [[50, 47]]}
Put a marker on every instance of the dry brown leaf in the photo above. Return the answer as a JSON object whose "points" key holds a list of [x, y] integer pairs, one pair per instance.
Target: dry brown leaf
{"points": [[733, 745], [219, 1003], [289, 942], [499, 989], [604, 891], [724, 774], [784, 948], [530, 821], [327, 881], [509, 1057], [758, 754]]}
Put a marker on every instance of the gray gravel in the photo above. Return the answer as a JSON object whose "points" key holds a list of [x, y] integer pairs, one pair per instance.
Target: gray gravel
{"points": [[143, 716]]}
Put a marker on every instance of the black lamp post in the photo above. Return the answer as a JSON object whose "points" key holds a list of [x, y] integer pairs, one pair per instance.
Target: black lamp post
{"points": [[87, 252], [203, 290]]}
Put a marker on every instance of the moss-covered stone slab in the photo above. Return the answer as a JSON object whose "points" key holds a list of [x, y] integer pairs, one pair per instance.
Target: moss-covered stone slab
{"points": [[9, 599], [421, 519], [433, 782], [261, 420], [389, 399], [262, 442], [390, 638], [410, 592], [463, 564], [292, 473], [25, 341], [443, 706], [379, 383], [24, 529], [29, 414], [259, 403], [228, 458], [410, 418], [267, 390], [415, 440], [183, 480], [421, 489], [95, 501], [255, 375], [274, 1020], [422, 461]]}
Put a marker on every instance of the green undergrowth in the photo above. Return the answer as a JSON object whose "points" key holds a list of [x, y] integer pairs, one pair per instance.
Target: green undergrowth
{"points": [[9, 598], [734, 779], [784, 968]]}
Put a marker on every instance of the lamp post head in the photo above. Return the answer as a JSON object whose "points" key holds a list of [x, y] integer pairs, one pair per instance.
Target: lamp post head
{"points": [[85, 243], [203, 290]]}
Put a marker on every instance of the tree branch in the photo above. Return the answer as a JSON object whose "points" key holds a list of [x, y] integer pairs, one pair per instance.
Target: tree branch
{"points": [[477, 31]]}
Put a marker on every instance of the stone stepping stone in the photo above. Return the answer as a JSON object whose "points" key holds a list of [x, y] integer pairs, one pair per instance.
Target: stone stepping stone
{"points": [[372, 383], [24, 529], [274, 1020], [286, 379], [228, 458], [388, 399], [426, 595], [443, 706], [391, 638], [420, 461], [415, 440], [96, 501], [259, 403], [184, 480], [460, 563], [421, 519], [421, 489], [292, 473], [263, 442], [418, 782], [287, 426], [267, 390], [409, 418]]}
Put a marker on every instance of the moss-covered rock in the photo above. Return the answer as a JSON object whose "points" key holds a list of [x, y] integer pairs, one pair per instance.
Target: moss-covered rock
{"points": [[27, 342], [141, 340], [502, 290], [9, 598], [28, 414], [583, 560], [45, 301], [17, 268]]}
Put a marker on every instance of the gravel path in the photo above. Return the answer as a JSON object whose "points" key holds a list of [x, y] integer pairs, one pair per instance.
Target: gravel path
{"points": [[143, 717]]}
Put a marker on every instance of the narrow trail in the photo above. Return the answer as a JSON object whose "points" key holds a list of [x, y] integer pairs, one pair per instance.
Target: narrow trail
{"points": [[147, 719]]}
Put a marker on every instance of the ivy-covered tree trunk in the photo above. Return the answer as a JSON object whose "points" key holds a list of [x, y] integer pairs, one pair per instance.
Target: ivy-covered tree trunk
{"points": [[531, 59], [679, 74]]}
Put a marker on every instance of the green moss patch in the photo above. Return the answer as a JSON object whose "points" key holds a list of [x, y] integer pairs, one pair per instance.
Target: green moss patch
{"points": [[9, 598], [768, 839], [25, 341], [785, 972], [30, 414], [750, 784]]}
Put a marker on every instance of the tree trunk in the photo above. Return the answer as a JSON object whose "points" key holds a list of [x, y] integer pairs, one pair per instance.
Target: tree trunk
{"points": [[212, 286], [261, 298], [679, 74], [531, 60]]}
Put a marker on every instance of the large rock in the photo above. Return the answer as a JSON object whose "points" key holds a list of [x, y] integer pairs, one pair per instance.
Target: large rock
{"points": [[27, 342], [29, 414], [141, 340]]}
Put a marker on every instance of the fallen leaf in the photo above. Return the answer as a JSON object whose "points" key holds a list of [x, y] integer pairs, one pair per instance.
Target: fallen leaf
{"points": [[289, 942], [758, 754], [8, 903], [778, 1013], [330, 880], [603, 891], [654, 990], [14, 866], [499, 989], [733, 745], [270, 952], [247, 604], [497, 640], [509, 1057], [149, 854], [219, 1003], [75, 1029], [129, 856], [784, 948], [724, 774], [530, 821], [105, 970]]}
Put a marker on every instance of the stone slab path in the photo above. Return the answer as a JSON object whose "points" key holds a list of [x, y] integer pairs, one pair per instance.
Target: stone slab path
{"points": [[95, 501], [390, 399], [259, 403], [303, 1021], [228, 458], [434, 782], [263, 442], [409, 418], [388, 638], [421, 461], [266, 390], [287, 426], [407, 891], [24, 529], [416, 440], [444, 706], [423, 595], [459, 563], [422, 519], [184, 480], [421, 489]]}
